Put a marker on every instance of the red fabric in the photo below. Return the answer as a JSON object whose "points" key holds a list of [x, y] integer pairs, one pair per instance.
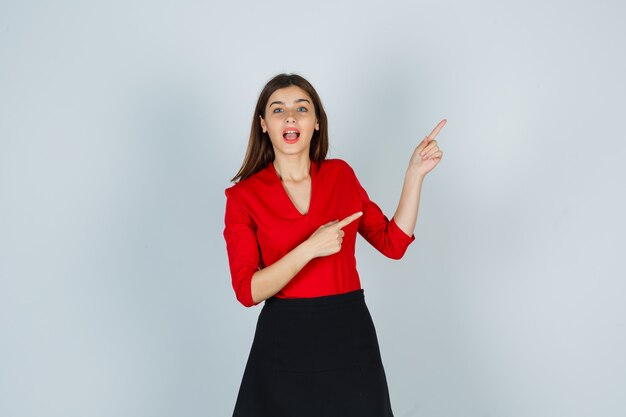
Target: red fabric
{"points": [[262, 225]]}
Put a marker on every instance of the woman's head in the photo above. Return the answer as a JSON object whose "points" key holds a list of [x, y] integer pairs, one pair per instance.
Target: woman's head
{"points": [[286, 101]]}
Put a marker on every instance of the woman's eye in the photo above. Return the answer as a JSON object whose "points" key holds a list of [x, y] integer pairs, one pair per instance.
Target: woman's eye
{"points": [[302, 107]]}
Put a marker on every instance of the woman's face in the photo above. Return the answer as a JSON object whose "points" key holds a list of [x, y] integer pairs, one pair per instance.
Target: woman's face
{"points": [[290, 109]]}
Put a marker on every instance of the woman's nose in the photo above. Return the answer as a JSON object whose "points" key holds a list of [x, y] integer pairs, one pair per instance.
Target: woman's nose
{"points": [[291, 115]]}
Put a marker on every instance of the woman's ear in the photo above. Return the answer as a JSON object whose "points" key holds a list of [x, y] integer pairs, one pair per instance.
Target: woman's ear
{"points": [[262, 124]]}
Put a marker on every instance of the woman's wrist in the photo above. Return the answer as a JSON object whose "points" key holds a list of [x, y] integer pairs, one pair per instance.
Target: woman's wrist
{"points": [[413, 174], [304, 251]]}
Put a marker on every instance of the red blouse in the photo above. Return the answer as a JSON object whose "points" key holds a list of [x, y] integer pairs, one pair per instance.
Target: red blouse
{"points": [[262, 225]]}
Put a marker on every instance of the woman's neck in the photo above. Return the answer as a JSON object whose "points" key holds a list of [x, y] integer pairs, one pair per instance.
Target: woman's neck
{"points": [[292, 169]]}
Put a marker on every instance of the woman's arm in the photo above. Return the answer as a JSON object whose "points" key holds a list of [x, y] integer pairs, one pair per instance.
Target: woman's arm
{"points": [[271, 279], [326, 240], [251, 282], [425, 157], [408, 207]]}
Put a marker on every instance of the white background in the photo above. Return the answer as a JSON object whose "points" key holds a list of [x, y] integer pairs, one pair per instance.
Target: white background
{"points": [[121, 124]]}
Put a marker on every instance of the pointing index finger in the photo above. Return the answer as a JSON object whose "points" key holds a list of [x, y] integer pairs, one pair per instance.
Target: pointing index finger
{"points": [[346, 221], [436, 130]]}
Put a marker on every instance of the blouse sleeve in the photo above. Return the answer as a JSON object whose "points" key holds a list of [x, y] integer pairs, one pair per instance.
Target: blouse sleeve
{"points": [[378, 230], [242, 248]]}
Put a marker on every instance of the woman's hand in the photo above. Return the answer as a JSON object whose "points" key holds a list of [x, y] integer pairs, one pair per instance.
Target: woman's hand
{"points": [[327, 239], [427, 154]]}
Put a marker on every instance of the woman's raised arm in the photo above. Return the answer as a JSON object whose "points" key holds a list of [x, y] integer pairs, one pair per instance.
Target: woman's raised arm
{"points": [[425, 157]]}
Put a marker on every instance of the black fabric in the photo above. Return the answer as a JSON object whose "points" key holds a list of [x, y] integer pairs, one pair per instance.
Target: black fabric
{"points": [[314, 357]]}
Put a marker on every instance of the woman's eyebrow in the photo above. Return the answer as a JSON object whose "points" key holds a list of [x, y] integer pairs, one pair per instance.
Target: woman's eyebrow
{"points": [[295, 101]]}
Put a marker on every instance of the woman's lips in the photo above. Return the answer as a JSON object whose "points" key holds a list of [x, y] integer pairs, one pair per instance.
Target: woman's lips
{"points": [[292, 140]]}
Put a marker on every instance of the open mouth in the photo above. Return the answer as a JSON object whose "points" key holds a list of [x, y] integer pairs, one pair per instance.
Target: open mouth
{"points": [[291, 134]]}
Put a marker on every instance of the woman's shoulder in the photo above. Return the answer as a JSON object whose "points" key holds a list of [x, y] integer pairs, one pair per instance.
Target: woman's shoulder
{"points": [[250, 183], [261, 181], [337, 164], [238, 189], [339, 167]]}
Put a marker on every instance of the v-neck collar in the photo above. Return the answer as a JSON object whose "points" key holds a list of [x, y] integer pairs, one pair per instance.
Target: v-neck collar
{"points": [[276, 179]]}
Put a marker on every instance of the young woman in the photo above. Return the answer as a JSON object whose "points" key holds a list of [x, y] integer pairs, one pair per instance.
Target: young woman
{"points": [[290, 228]]}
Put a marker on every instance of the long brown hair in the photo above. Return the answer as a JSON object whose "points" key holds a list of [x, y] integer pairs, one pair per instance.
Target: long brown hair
{"points": [[260, 151]]}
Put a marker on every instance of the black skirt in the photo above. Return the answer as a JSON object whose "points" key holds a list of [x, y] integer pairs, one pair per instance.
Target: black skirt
{"points": [[316, 357]]}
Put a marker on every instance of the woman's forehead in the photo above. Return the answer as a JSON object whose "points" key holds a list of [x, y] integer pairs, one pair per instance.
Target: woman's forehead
{"points": [[289, 94]]}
